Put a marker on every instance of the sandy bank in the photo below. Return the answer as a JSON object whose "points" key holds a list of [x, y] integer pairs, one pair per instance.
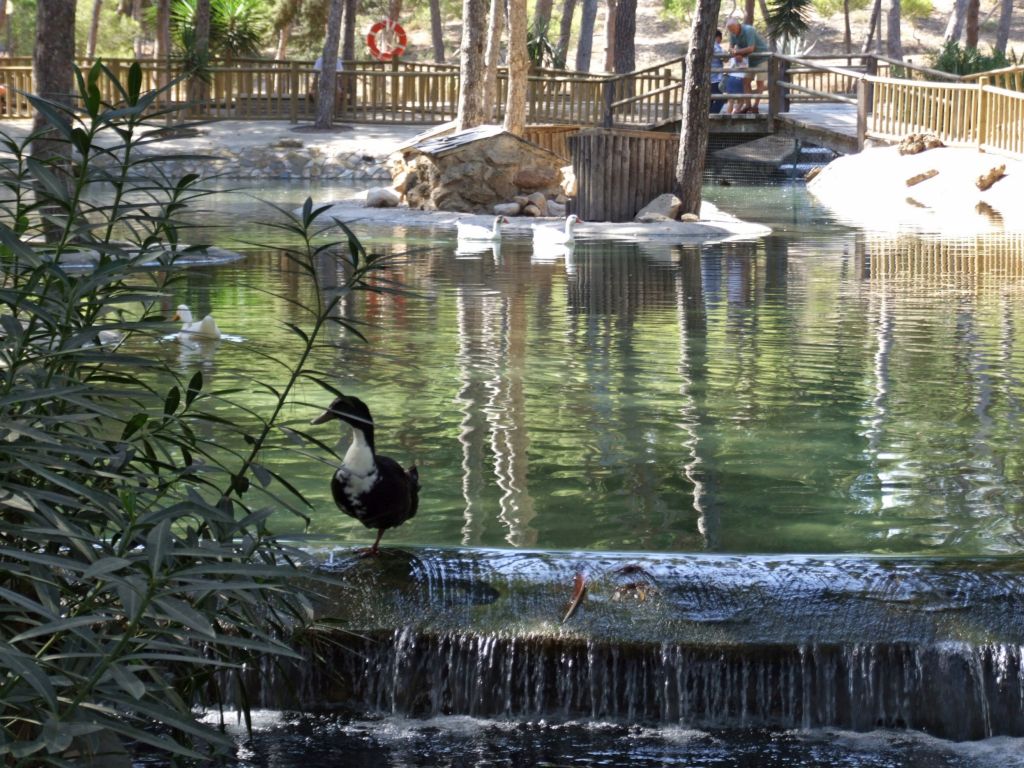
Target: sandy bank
{"points": [[870, 189]]}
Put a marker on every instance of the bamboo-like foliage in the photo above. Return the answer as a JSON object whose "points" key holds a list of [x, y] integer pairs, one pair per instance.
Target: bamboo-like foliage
{"points": [[138, 572]]}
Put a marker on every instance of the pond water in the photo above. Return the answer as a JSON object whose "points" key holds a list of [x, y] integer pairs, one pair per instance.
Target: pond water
{"points": [[824, 389]]}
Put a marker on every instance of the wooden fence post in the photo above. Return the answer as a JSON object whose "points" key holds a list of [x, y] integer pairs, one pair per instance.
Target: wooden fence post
{"points": [[608, 90], [863, 104], [293, 86], [983, 116]]}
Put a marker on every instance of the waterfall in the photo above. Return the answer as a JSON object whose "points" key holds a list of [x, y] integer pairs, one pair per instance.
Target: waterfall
{"points": [[935, 646]]}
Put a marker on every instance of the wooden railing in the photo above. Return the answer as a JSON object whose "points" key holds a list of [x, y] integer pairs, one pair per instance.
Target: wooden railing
{"points": [[893, 98]]}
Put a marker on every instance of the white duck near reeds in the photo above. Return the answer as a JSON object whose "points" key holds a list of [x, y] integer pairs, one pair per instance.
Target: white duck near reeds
{"points": [[203, 329], [547, 236], [480, 233]]}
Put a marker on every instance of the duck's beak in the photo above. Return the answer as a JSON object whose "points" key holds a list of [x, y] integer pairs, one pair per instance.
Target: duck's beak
{"points": [[325, 416], [176, 318]]}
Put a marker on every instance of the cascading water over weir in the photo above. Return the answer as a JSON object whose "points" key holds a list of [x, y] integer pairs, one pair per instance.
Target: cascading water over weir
{"points": [[709, 641]]}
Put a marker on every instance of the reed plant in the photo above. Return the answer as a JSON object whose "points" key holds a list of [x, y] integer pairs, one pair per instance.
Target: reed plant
{"points": [[140, 580]]}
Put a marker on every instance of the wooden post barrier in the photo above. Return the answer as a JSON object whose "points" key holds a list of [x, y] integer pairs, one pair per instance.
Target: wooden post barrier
{"points": [[619, 172]]}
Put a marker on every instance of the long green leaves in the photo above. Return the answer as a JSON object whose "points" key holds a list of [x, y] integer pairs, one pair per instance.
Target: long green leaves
{"points": [[137, 568]]}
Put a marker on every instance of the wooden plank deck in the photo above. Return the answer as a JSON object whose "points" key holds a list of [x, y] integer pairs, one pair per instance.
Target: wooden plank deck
{"points": [[827, 124]]}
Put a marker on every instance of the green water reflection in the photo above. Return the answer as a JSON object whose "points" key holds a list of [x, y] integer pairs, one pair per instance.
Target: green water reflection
{"points": [[820, 390]]}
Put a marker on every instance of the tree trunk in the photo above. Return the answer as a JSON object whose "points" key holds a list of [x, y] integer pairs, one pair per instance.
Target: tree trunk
{"points": [[139, 38], [609, 38], [893, 43], [1003, 30], [495, 27], [847, 32], [94, 28], [876, 12], [765, 13], [53, 71], [693, 140], [196, 85], [625, 36], [518, 68], [471, 65], [748, 11], [394, 9], [971, 24], [436, 31], [542, 17], [955, 25], [585, 47], [565, 32], [348, 26], [163, 30], [326, 89], [282, 42]]}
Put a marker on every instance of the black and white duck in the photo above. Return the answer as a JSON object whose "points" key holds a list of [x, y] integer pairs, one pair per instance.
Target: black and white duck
{"points": [[373, 489]]}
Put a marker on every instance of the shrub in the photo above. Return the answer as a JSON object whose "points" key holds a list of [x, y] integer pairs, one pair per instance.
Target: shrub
{"points": [[957, 60], [138, 574]]}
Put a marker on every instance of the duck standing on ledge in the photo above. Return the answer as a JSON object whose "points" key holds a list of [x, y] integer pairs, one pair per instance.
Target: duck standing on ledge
{"points": [[373, 489]]}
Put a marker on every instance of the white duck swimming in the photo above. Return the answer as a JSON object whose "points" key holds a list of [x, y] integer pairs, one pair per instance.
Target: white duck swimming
{"points": [[205, 328], [551, 236], [478, 232]]}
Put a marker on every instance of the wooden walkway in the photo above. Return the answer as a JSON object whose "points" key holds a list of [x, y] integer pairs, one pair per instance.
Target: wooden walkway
{"points": [[829, 125]]}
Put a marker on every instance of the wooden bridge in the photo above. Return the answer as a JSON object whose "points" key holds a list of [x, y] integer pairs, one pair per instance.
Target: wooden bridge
{"points": [[836, 101]]}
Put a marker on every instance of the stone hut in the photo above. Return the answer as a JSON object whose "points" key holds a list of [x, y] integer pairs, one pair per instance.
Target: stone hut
{"points": [[474, 170]]}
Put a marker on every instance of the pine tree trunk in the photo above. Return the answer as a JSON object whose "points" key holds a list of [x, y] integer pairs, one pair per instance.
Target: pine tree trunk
{"points": [[1003, 30], [748, 11], [518, 68], [893, 42], [609, 38], [876, 12], [282, 42], [326, 91], [847, 32], [625, 36], [693, 140], [542, 17], [436, 31], [955, 25], [196, 85], [971, 24], [471, 65], [139, 38], [565, 32], [585, 47], [348, 26], [163, 30], [53, 71], [94, 28], [491, 56], [394, 9]]}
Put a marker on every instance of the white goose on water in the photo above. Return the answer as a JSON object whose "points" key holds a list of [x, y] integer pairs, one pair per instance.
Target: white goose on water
{"points": [[547, 236], [205, 328], [481, 233]]}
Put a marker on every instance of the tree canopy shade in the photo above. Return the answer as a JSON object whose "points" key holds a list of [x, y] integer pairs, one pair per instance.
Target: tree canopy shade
{"points": [[693, 140]]}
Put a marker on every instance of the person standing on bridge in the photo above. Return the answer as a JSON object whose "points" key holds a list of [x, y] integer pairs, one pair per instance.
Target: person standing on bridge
{"points": [[717, 64], [744, 40]]}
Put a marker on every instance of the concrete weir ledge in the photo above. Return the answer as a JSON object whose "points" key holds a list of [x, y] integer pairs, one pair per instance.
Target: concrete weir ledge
{"points": [[932, 644]]}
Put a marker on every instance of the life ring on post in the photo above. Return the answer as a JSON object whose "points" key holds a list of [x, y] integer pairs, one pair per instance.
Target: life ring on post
{"points": [[386, 40]]}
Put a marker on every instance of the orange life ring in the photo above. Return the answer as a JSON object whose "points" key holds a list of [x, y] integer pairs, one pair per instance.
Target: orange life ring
{"points": [[391, 42]]}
